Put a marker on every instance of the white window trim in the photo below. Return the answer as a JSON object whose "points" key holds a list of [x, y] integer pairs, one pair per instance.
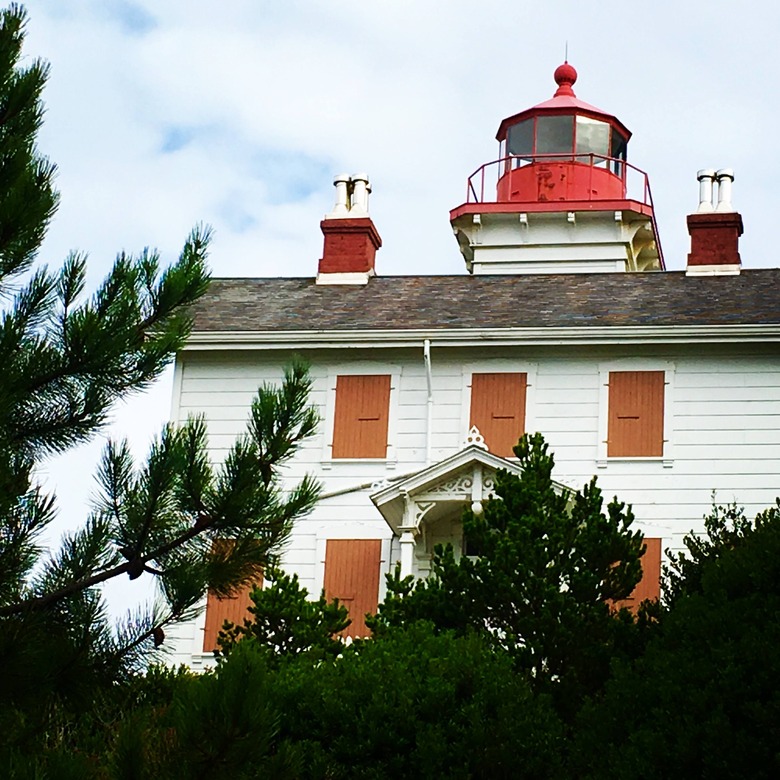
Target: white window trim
{"points": [[198, 654], [361, 369], [636, 364], [502, 366], [354, 530], [176, 391]]}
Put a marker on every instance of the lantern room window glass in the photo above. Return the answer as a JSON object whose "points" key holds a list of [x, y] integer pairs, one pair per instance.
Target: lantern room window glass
{"points": [[520, 138], [554, 134], [592, 139]]}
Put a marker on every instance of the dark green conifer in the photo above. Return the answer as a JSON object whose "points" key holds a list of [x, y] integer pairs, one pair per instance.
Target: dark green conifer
{"points": [[285, 623], [548, 564], [66, 358]]}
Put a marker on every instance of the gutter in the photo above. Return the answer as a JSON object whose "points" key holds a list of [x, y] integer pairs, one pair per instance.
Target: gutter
{"points": [[469, 337], [366, 485]]}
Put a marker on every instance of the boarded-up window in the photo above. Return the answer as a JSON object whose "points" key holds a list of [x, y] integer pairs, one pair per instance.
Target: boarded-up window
{"points": [[361, 415], [352, 577], [649, 587], [498, 409], [636, 414], [219, 610]]}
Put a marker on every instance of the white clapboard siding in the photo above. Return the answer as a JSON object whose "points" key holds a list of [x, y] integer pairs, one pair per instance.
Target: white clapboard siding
{"points": [[723, 426]]}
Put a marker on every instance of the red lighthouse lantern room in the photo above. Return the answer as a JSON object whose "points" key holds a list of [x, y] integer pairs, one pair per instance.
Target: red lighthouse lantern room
{"points": [[561, 159], [563, 149]]}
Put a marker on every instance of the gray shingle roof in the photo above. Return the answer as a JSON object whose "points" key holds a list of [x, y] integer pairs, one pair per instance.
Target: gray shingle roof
{"points": [[518, 301]]}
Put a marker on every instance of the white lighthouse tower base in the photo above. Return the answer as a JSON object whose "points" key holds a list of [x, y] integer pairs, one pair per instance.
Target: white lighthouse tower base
{"points": [[557, 242]]}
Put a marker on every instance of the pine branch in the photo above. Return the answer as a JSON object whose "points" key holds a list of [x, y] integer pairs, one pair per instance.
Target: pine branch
{"points": [[39, 603], [61, 378], [300, 501], [27, 197]]}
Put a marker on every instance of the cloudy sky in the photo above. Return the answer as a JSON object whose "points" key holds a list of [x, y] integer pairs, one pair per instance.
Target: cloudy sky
{"points": [[165, 113]]}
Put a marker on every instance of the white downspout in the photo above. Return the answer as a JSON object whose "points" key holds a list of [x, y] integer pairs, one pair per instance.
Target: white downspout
{"points": [[429, 425]]}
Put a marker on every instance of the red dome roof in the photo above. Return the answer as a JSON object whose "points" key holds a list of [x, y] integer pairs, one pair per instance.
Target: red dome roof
{"points": [[564, 100]]}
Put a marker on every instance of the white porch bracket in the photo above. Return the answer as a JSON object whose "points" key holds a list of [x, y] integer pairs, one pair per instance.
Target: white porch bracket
{"points": [[414, 511]]}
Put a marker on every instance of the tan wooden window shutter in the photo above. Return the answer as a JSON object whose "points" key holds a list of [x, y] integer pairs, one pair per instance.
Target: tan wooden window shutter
{"points": [[233, 608], [649, 587], [361, 416], [636, 414], [352, 576], [219, 610], [498, 409]]}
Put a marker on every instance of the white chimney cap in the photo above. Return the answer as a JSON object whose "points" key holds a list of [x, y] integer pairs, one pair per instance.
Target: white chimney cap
{"points": [[725, 177]]}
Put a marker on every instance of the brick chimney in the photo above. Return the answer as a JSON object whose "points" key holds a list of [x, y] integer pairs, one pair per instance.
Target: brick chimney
{"points": [[351, 239], [714, 228]]}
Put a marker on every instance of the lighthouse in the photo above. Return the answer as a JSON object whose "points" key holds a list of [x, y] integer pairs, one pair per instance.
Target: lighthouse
{"points": [[561, 197]]}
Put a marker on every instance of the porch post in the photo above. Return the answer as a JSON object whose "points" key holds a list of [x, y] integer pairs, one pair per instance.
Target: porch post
{"points": [[408, 543]]}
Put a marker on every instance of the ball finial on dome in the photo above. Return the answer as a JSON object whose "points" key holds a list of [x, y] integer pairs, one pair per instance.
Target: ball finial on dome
{"points": [[565, 76]]}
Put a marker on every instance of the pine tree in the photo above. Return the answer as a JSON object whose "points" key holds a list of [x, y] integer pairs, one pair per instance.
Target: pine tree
{"points": [[726, 528], [285, 623], [548, 565], [703, 699], [67, 358]]}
